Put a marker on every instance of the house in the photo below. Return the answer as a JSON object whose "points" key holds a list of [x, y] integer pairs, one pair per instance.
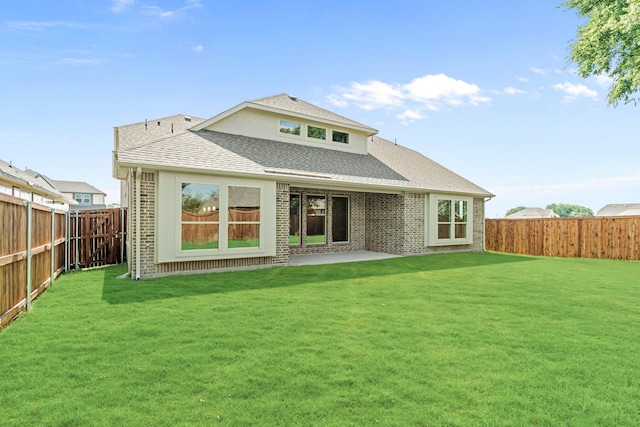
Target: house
{"points": [[21, 184], [620, 209], [278, 176], [528, 213], [86, 196]]}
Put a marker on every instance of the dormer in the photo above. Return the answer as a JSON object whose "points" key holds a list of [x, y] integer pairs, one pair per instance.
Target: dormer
{"points": [[288, 119]]}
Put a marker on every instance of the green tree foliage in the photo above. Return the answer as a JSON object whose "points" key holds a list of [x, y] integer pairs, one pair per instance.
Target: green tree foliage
{"points": [[514, 210], [609, 43], [565, 210]]}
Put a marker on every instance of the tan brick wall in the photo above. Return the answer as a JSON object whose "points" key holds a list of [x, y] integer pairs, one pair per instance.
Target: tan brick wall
{"points": [[282, 224]]}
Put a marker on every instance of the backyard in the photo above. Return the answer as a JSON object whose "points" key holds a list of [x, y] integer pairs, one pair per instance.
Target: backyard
{"points": [[453, 339]]}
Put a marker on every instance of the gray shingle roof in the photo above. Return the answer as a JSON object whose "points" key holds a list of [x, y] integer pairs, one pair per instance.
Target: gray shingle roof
{"points": [[386, 165], [137, 134], [76, 187], [619, 209]]}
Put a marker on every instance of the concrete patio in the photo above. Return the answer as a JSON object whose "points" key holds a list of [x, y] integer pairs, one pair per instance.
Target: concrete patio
{"points": [[336, 257]]}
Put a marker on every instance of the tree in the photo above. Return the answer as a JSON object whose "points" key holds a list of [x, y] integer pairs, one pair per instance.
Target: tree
{"points": [[609, 43], [514, 210], [565, 210]]}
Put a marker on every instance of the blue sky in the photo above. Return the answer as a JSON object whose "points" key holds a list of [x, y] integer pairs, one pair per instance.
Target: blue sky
{"points": [[483, 88]]}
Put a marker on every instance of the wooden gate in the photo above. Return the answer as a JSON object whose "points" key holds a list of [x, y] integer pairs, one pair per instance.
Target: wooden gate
{"points": [[97, 237]]}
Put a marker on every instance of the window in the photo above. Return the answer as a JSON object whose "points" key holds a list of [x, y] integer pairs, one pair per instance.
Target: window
{"points": [[340, 219], [82, 198], [291, 128], [316, 215], [340, 137], [200, 223], [244, 217], [206, 217], [449, 220], [317, 133], [294, 219]]}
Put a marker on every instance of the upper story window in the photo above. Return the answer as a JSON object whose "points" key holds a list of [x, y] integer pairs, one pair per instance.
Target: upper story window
{"points": [[291, 128], [311, 132], [82, 198], [316, 132], [341, 137]]}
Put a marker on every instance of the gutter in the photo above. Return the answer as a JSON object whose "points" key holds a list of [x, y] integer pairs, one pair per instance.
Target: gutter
{"points": [[138, 179]]}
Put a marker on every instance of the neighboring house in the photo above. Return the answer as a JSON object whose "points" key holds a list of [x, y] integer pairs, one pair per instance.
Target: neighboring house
{"points": [[22, 184], [620, 209], [86, 196], [278, 176], [533, 213]]}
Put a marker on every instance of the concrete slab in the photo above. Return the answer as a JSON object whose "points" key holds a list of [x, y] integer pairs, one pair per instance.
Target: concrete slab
{"points": [[336, 257]]}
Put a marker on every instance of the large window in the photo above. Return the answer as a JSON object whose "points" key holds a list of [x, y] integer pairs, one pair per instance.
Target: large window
{"points": [[200, 225], [340, 219], [294, 219], [316, 219], [201, 217], [450, 220]]}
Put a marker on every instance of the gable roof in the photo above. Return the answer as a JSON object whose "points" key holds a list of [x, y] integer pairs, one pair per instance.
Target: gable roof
{"points": [[293, 106], [386, 166]]}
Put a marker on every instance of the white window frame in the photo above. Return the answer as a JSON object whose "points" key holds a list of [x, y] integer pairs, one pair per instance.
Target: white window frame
{"points": [[431, 227], [169, 219]]}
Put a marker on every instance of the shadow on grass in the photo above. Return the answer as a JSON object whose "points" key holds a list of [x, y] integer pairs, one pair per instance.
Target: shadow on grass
{"points": [[125, 291]]}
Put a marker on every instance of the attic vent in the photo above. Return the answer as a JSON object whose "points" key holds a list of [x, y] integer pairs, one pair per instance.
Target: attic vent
{"points": [[158, 122], [187, 118], [293, 98]]}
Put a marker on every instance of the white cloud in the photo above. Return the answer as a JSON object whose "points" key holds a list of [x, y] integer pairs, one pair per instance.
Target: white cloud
{"points": [[440, 87], [427, 93], [169, 14], [42, 25], [198, 48], [510, 90], [120, 5], [373, 94], [410, 116], [603, 80], [523, 79], [539, 71], [575, 91], [607, 184]]}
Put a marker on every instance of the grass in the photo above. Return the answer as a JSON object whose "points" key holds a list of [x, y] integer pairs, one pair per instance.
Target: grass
{"points": [[456, 339]]}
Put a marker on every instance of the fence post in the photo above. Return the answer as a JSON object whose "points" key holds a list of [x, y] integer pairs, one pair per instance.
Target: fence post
{"points": [[67, 226], [53, 244], [29, 251], [77, 239]]}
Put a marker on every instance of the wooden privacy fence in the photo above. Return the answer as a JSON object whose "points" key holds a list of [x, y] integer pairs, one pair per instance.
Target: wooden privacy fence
{"points": [[580, 237], [38, 243]]}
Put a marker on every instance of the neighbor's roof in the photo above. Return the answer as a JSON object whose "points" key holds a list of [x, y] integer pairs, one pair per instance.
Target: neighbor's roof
{"points": [[32, 181], [294, 106], [76, 187], [387, 165], [533, 213], [620, 209]]}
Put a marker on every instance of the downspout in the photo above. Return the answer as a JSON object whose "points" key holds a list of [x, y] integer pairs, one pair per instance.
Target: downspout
{"points": [[138, 179]]}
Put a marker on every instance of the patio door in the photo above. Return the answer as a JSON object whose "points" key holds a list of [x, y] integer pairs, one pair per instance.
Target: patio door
{"points": [[340, 219]]}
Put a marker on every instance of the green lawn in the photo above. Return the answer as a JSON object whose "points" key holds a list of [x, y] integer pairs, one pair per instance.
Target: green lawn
{"points": [[457, 339]]}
